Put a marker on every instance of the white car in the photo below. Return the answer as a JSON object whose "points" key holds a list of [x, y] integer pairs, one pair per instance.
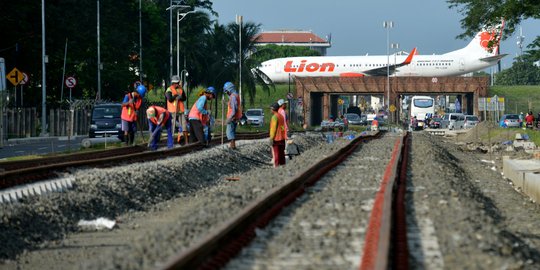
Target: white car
{"points": [[255, 117]]}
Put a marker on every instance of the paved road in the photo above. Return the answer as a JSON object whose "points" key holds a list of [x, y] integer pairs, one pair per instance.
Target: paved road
{"points": [[39, 146]]}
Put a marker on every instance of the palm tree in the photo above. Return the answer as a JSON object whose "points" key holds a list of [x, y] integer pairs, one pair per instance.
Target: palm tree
{"points": [[249, 64]]}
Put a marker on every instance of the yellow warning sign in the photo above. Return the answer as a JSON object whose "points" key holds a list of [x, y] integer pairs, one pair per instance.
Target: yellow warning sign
{"points": [[392, 108], [15, 76]]}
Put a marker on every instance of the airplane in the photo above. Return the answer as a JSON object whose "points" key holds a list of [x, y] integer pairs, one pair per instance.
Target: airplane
{"points": [[477, 55]]}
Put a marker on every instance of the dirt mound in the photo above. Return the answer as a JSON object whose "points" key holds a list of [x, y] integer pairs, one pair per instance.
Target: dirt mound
{"points": [[488, 133]]}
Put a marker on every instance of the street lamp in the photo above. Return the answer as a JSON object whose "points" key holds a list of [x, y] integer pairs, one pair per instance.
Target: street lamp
{"points": [[388, 25], [170, 8], [178, 19]]}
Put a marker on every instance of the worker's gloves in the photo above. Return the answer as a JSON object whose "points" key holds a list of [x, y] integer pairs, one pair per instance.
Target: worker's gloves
{"points": [[177, 97], [228, 121]]}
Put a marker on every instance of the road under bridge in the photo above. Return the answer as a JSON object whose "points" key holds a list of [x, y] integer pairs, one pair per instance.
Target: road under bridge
{"points": [[320, 94]]}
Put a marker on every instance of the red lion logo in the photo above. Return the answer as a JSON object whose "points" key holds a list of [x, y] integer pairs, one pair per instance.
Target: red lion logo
{"points": [[489, 40]]}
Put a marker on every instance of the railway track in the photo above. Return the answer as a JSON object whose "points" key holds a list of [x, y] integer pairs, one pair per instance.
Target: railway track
{"points": [[327, 227], [381, 242], [29, 171]]}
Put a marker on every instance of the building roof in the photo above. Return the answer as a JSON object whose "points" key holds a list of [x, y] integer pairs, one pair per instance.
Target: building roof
{"points": [[291, 37]]}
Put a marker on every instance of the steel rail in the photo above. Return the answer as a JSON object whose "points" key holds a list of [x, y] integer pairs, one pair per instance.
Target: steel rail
{"points": [[43, 172], [378, 240], [228, 239]]}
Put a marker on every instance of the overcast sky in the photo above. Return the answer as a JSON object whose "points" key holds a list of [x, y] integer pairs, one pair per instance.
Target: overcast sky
{"points": [[357, 26]]}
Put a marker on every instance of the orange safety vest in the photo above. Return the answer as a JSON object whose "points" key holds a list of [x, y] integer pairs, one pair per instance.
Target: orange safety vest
{"points": [[238, 114], [375, 123], [179, 108], [194, 113], [159, 111], [129, 111], [279, 134]]}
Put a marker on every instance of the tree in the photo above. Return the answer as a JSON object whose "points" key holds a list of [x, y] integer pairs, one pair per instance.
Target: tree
{"points": [[272, 51], [521, 73], [480, 13]]}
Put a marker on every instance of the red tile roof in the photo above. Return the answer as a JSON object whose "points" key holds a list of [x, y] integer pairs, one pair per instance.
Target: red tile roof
{"points": [[289, 37]]}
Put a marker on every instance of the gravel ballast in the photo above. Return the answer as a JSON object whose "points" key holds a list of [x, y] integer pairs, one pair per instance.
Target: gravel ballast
{"points": [[462, 213]]}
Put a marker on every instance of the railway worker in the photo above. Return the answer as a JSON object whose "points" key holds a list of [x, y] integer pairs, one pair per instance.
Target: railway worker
{"points": [[199, 116], [234, 112], [282, 110], [375, 124], [277, 135], [529, 120], [158, 118], [176, 96], [130, 107]]}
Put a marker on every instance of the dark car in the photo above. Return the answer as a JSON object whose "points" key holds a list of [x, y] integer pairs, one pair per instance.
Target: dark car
{"points": [[354, 119], [435, 122], [106, 120]]}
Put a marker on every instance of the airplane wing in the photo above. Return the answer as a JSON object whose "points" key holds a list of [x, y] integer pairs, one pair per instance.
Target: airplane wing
{"points": [[382, 71]]}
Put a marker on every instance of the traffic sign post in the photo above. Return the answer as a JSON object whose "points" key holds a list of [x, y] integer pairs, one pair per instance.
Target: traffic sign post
{"points": [[2, 74], [23, 82], [2, 89], [70, 83]]}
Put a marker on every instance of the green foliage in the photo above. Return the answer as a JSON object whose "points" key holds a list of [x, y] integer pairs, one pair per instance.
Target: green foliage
{"points": [[480, 13], [521, 73], [271, 51]]}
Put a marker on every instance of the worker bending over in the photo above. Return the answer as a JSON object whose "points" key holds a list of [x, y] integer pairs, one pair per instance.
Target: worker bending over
{"points": [[159, 117]]}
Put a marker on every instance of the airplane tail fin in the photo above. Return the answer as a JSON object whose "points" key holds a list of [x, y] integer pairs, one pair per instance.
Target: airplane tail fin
{"points": [[486, 42]]}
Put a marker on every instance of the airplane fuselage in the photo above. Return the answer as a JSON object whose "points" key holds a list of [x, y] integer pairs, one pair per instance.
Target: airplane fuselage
{"points": [[279, 70]]}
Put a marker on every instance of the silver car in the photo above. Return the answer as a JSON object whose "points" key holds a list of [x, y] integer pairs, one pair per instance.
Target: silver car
{"points": [[255, 117], [470, 121]]}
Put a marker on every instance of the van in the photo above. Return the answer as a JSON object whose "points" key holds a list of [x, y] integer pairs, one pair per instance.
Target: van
{"points": [[453, 121], [106, 121]]}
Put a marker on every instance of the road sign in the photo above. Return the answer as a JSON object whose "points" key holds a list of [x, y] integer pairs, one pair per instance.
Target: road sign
{"points": [[289, 95], [392, 108], [2, 74], [340, 101], [71, 82], [25, 79], [15, 76]]}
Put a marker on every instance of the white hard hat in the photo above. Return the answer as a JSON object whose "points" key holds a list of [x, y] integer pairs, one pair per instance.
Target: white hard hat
{"points": [[175, 79]]}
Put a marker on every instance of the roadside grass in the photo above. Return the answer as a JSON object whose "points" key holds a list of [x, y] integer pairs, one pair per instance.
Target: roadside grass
{"points": [[518, 98]]}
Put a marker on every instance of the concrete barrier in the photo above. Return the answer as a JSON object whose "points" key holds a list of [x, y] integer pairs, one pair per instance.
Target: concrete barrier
{"points": [[88, 142], [525, 174]]}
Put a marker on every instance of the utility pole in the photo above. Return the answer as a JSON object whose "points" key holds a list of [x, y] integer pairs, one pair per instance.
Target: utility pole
{"points": [[98, 97], [43, 75]]}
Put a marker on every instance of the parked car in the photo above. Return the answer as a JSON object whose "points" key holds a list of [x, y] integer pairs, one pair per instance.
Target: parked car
{"points": [[470, 121], [255, 117], [509, 120], [435, 122], [355, 119], [106, 120], [453, 121]]}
